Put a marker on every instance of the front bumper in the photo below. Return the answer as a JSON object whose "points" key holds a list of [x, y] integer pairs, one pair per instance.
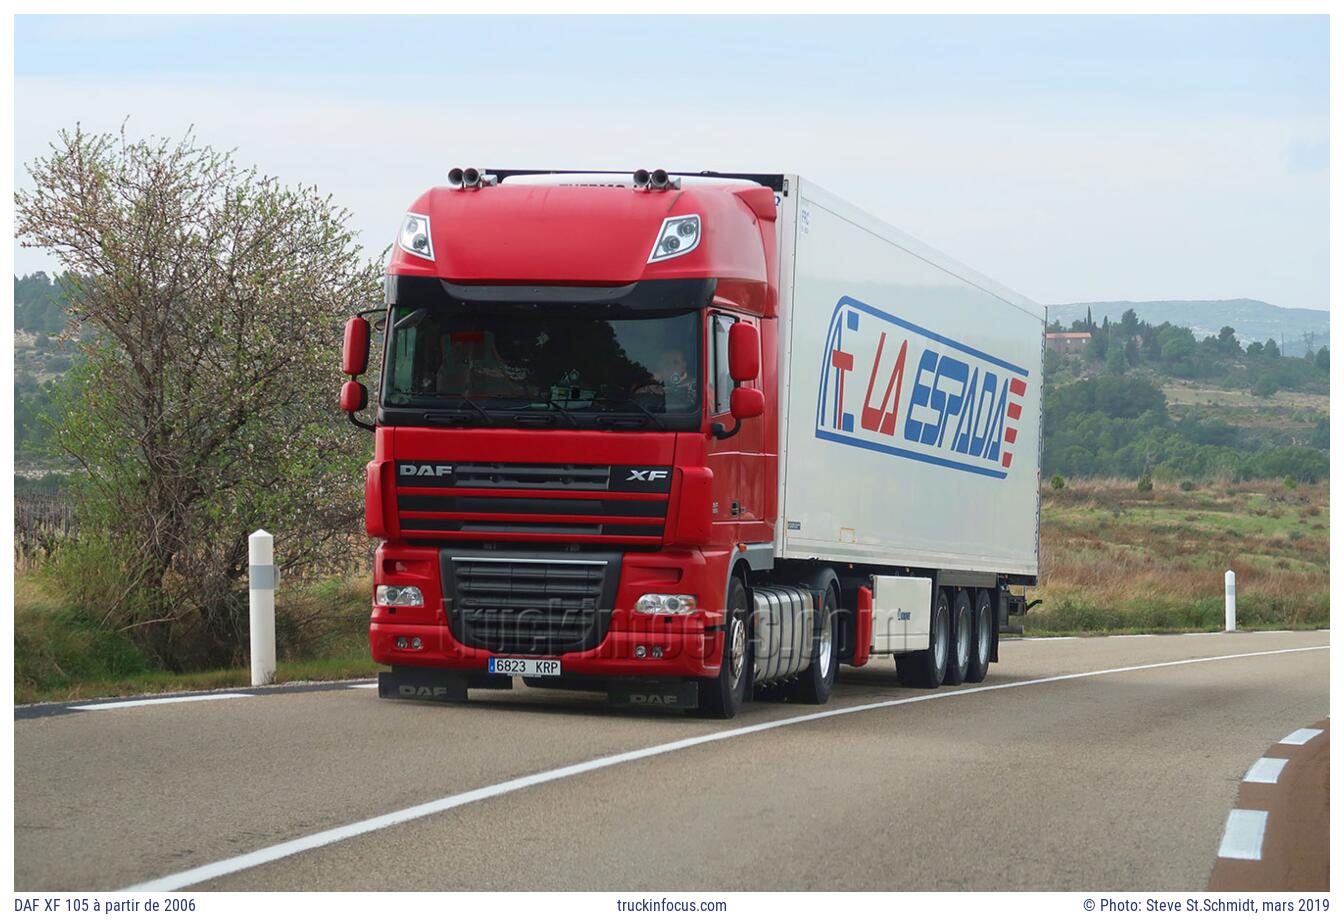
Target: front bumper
{"points": [[632, 645], [683, 654]]}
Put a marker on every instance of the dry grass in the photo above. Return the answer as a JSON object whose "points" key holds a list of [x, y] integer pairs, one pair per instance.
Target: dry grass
{"points": [[1186, 394], [1115, 559]]}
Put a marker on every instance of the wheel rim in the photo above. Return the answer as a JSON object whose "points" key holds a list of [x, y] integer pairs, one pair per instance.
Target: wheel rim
{"points": [[963, 638], [824, 646], [940, 639], [737, 652], [983, 631]]}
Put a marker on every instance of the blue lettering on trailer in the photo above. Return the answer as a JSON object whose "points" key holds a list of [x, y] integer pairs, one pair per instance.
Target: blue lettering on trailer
{"points": [[891, 386]]}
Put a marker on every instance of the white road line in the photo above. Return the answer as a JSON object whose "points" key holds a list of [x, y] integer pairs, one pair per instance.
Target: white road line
{"points": [[1135, 636], [336, 834], [1271, 632], [159, 700], [1244, 834], [1265, 770], [372, 686], [1301, 736], [1046, 638]]}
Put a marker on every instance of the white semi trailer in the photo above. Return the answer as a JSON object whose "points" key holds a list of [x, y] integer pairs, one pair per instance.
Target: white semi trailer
{"points": [[910, 411]]}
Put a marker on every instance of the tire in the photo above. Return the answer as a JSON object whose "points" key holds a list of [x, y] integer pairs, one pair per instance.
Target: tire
{"points": [[721, 697], [982, 637], [814, 684], [925, 669], [959, 648]]}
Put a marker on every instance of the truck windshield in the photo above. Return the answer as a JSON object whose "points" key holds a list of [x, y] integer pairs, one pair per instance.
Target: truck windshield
{"points": [[555, 366]]}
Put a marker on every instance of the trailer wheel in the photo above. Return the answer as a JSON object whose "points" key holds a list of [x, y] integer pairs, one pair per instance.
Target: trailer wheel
{"points": [[721, 697], [925, 669], [959, 652], [814, 684], [982, 642]]}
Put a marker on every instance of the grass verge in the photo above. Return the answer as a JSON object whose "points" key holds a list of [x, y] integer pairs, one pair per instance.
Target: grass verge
{"points": [[1116, 560], [62, 652]]}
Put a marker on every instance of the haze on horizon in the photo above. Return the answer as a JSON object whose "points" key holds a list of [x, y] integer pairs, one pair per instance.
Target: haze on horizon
{"points": [[1073, 158]]}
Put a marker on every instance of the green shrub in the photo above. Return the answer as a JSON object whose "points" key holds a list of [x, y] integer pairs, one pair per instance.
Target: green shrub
{"points": [[1187, 486], [1057, 482], [1289, 482], [1145, 483]]}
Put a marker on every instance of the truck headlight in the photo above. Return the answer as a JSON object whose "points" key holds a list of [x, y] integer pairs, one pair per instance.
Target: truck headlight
{"points": [[666, 603], [399, 596], [414, 236], [678, 236]]}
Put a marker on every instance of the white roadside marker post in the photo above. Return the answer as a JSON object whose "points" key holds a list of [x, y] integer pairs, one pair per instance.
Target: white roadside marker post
{"points": [[1230, 600], [262, 580]]}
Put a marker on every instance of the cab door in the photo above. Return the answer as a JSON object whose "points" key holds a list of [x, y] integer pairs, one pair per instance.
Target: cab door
{"points": [[738, 461]]}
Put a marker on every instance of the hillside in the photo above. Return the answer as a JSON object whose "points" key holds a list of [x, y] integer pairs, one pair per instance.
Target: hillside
{"points": [[1254, 320]]}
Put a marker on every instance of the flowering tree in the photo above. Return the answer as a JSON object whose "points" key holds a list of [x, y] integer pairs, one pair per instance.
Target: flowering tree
{"points": [[206, 407]]}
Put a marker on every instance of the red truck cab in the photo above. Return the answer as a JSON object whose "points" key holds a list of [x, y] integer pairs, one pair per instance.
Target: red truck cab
{"points": [[572, 446]]}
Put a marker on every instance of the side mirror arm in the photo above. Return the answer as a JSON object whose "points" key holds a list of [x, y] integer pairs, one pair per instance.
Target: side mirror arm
{"points": [[359, 422], [721, 432]]}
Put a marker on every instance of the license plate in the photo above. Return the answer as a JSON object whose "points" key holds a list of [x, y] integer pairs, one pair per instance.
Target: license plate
{"points": [[526, 667]]}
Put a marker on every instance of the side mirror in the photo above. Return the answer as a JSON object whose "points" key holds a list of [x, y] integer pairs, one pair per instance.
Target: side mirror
{"points": [[355, 354], [744, 352], [747, 402], [354, 396]]}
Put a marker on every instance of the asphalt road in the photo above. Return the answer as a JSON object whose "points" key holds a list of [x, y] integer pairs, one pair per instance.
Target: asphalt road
{"points": [[1103, 782]]}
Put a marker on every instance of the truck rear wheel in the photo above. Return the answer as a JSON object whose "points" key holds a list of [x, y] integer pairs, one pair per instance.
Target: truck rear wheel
{"points": [[982, 629], [721, 697], [814, 684], [959, 652], [925, 669]]}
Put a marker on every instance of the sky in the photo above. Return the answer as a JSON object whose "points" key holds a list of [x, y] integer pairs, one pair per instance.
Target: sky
{"points": [[1071, 158]]}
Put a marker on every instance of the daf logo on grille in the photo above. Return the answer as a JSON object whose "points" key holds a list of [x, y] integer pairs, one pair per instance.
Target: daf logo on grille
{"points": [[410, 469], [646, 475]]}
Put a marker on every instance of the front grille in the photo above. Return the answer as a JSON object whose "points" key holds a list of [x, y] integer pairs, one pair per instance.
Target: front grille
{"points": [[530, 476], [452, 500], [536, 606]]}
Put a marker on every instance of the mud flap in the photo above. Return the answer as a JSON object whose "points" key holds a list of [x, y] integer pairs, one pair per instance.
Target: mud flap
{"points": [[671, 694], [436, 684]]}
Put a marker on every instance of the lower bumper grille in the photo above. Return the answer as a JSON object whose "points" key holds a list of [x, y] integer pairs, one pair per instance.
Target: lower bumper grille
{"points": [[538, 606]]}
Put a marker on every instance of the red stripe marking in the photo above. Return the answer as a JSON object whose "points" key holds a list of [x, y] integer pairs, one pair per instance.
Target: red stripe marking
{"points": [[1018, 387], [1010, 435], [1014, 410], [1007, 460]]}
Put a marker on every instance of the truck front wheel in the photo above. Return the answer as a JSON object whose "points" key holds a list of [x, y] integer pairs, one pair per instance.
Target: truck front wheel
{"points": [[925, 669], [721, 697], [814, 684]]}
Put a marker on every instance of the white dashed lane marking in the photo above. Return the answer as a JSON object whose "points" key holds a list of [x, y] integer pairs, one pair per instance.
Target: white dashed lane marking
{"points": [[1301, 736], [1244, 834], [1265, 770]]}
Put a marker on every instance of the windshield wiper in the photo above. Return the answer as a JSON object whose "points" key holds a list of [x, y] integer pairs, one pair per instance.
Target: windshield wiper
{"points": [[569, 416], [657, 422], [458, 416]]}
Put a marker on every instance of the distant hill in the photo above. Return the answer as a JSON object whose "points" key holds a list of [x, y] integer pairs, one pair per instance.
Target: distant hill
{"points": [[1254, 320]]}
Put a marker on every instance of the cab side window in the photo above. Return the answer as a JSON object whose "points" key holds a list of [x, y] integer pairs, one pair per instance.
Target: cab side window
{"points": [[723, 383]]}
